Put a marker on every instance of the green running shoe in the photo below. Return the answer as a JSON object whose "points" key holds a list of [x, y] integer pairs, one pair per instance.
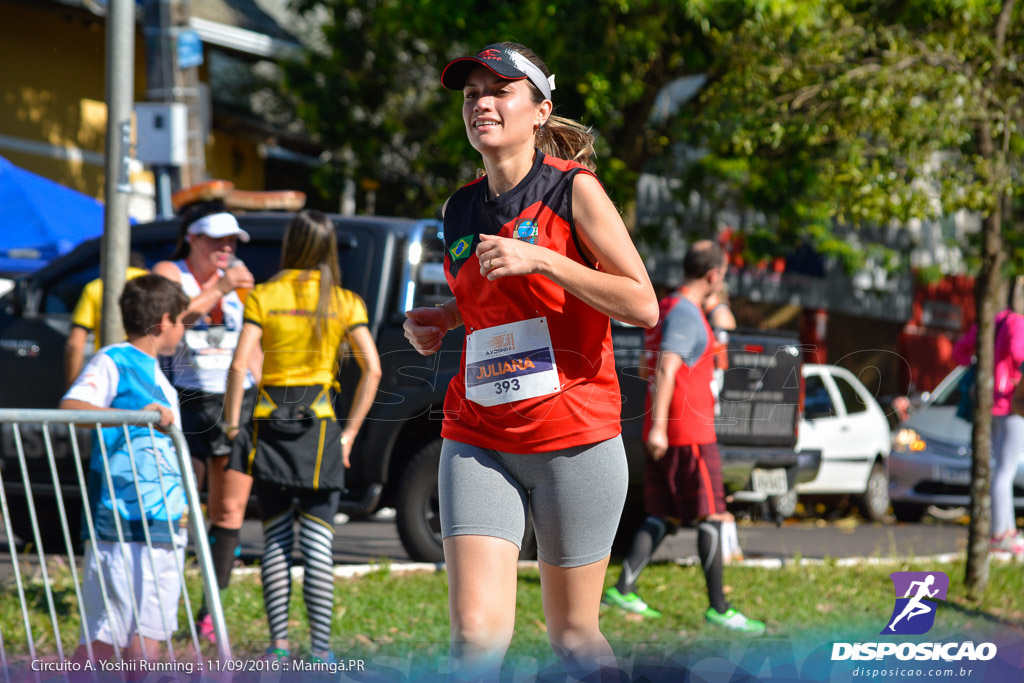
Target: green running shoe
{"points": [[629, 603], [323, 659], [276, 654], [732, 619]]}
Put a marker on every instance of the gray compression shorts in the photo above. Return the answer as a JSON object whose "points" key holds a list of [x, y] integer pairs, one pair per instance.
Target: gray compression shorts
{"points": [[576, 496]]}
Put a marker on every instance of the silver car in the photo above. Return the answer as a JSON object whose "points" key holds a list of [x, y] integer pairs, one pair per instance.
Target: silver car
{"points": [[930, 461]]}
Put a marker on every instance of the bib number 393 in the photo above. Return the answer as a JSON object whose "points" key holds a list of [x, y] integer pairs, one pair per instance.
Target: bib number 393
{"points": [[512, 362]]}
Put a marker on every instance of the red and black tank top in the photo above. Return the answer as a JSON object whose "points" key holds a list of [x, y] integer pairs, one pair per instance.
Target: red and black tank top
{"points": [[582, 404], [691, 414]]}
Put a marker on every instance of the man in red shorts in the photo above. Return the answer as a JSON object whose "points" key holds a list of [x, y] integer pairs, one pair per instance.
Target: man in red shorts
{"points": [[683, 478]]}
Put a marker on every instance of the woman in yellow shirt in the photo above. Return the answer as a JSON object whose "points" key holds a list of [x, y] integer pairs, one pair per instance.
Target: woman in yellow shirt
{"points": [[296, 451]]}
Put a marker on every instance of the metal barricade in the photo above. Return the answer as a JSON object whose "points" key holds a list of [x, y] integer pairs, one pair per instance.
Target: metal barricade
{"points": [[67, 419]]}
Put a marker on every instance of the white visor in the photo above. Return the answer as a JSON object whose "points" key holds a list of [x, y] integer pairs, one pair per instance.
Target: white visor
{"points": [[218, 225]]}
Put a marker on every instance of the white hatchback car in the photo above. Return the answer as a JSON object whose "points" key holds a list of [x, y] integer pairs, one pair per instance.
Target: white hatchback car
{"points": [[844, 421]]}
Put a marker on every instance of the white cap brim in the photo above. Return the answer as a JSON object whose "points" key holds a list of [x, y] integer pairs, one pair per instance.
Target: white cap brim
{"points": [[218, 225]]}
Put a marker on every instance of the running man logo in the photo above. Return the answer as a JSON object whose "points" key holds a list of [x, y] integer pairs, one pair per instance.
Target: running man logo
{"points": [[460, 249], [913, 614], [505, 342]]}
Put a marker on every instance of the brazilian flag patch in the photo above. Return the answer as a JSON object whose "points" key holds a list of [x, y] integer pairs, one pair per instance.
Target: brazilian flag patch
{"points": [[460, 249]]}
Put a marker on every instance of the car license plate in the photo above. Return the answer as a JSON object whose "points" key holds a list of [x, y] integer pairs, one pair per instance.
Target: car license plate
{"points": [[772, 482], [961, 477]]}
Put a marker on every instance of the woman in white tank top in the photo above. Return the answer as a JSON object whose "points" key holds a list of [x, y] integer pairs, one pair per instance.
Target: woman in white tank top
{"points": [[205, 265]]}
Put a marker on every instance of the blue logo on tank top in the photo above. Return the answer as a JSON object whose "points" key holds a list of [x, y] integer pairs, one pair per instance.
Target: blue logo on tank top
{"points": [[526, 231]]}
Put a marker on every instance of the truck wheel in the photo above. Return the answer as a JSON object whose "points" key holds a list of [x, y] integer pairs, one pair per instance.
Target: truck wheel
{"points": [[785, 505], [874, 502], [419, 517], [908, 512]]}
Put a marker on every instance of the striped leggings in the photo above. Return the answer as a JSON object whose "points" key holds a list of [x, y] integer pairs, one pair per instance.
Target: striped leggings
{"points": [[316, 509]]}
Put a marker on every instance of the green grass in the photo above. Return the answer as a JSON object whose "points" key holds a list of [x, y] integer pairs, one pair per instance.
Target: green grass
{"points": [[385, 614]]}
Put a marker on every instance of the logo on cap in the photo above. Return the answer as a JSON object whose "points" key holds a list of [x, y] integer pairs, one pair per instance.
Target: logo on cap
{"points": [[490, 54]]}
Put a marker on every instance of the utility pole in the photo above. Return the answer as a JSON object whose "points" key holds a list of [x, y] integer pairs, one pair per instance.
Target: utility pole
{"points": [[116, 240], [161, 68], [173, 54]]}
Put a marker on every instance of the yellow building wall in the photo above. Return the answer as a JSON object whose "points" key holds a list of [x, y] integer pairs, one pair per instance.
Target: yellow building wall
{"points": [[52, 88], [52, 92]]}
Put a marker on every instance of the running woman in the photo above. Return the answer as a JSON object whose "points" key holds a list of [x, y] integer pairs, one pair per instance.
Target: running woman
{"points": [[538, 260]]}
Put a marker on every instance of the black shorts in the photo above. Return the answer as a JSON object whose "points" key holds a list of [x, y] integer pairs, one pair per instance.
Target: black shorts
{"points": [[685, 484], [296, 444], [276, 500], [201, 413]]}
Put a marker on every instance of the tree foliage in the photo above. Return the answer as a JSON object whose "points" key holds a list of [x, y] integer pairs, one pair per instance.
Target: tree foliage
{"points": [[372, 93], [867, 113], [859, 114]]}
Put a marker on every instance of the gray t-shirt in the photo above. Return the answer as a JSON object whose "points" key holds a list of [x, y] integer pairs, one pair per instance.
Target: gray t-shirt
{"points": [[684, 332]]}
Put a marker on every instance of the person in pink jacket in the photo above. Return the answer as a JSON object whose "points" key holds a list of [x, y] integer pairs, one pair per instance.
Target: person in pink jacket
{"points": [[1007, 427]]}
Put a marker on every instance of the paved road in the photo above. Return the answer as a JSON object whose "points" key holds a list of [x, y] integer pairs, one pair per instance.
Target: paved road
{"points": [[364, 541], [359, 542]]}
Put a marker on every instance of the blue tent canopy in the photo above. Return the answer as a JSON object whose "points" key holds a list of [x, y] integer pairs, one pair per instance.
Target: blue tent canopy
{"points": [[41, 219]]}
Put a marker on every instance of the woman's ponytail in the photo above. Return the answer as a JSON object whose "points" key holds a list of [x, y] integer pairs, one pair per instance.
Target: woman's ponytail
{"points": [[567, 139], [559, 137]]}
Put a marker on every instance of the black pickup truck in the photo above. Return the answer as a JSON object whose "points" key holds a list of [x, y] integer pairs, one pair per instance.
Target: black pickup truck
{"points": [[395, 264]]}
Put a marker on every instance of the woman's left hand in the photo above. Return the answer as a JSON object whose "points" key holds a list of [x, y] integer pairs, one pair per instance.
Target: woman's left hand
{"points": [[346, 446], [501, 256]]}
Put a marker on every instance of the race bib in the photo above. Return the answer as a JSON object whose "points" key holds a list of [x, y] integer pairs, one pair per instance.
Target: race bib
{"points": [[212, 348], [509, 363]]}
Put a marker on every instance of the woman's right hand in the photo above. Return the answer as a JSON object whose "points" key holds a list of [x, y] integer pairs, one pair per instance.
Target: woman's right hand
{"points": [[425, 328], [657, 443]]}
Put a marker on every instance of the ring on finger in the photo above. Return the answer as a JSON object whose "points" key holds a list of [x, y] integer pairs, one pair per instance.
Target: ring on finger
{"points": [[489, 266]]}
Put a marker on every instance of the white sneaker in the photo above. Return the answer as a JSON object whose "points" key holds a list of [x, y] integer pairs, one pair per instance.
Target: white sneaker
{"points": [[340, 518], [384, 515], [1011, 542], [733, 619]]}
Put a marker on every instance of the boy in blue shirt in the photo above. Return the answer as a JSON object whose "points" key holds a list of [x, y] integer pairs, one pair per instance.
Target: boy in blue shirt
{"points": [[127, 376]]}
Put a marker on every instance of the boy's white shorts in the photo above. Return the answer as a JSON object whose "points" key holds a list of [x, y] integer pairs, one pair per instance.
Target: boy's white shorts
{"points": [[158, 614]]}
